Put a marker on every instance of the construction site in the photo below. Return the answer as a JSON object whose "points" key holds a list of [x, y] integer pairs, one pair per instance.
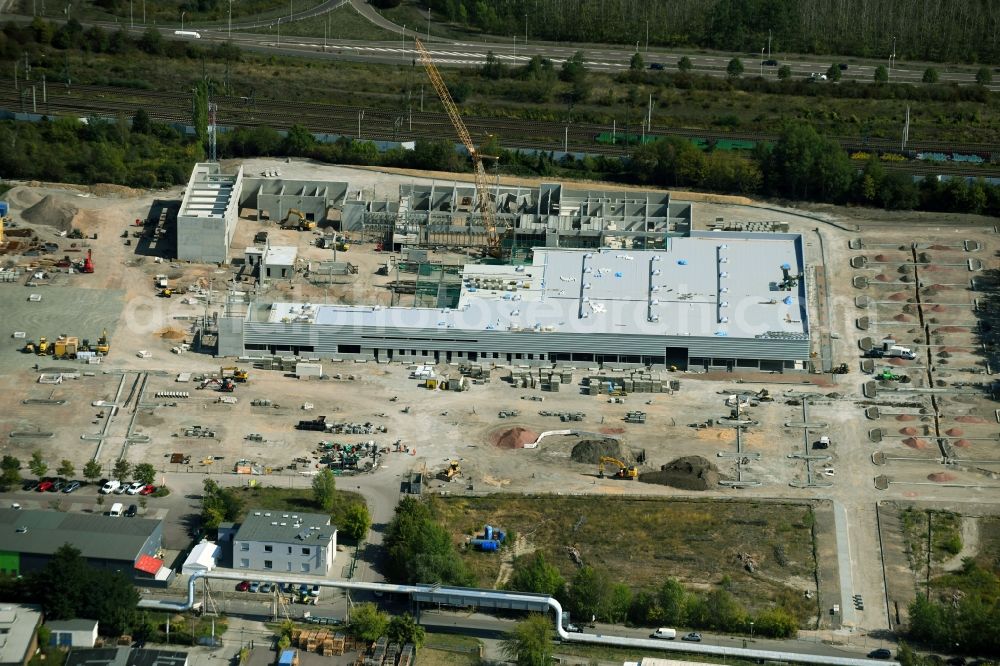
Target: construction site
{"points": [[470, 340]]}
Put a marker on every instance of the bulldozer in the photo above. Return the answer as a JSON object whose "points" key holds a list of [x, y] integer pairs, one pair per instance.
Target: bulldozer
{"points": [[888, 375], [624, 471], [303, 224], [451, 471], [44, 347]]}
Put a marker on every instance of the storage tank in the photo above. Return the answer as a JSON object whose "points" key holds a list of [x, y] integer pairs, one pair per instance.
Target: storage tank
{"points": [[488, 532], [485, 545]]}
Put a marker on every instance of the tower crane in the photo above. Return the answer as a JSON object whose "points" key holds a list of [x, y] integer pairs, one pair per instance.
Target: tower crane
{"points": [[483, 203]]}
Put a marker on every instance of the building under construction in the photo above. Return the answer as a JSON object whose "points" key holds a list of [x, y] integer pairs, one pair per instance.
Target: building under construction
{"points": [[708, 299]]}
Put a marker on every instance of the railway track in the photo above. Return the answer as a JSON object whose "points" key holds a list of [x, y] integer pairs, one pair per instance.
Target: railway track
{"points": [[386, 125]]}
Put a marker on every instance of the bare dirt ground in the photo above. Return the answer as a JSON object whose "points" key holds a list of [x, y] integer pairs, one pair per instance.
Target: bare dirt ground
{"points": [[948, 459]]}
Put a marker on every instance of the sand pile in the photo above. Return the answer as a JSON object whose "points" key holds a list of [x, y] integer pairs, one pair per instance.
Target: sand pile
{"points": [[613, 430], [906, 417], [881, 257], [941, 247], [955, 432], [23, 197], [941, 477], [916, 443], [899, 296], [902, 317], [910, 430], [962, 443], [970, 419], [171, 334], [687, 473], [592, 450], [513, 438], [939, 308], [952, 329], [882, 277], [52, 211]]}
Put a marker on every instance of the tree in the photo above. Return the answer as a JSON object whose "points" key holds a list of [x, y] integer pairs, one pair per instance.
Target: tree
{"points": [[984, 76], [573, 69], [590, 593], [530, 642], [121, 470], [141, 124], [404, 629], [534, 574], [833, 72], [784, 72], [803, 165], [368, 622], [670, 598], [144, 473], [356, 522], [92, 470], [685, 65], [419, 550], [219, 504], [151, 41], [776, 623], [724, 613], [37, 465], [734, 69], [930, 75], [881, 74], [636, 64], [66, 469], [324, 488], [10, 471]]}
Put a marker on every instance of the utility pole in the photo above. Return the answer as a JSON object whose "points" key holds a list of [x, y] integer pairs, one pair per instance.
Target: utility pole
{"points": [[404, 37], [649, 114], [279, 31], [906, 129], [768, 43], [361, 114], [526, 30], [182, 19], [230, 20], [515, 48], [647, 36], [131, 18], [566, 139], [762, 62], [428, 23]]}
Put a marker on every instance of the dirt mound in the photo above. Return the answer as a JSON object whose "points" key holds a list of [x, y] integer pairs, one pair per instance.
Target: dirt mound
{"points": [[881, 257], [53, 211], [903, 317], [688, 473], [952, 350], [941, 477], [899, 296], [955, 432], [23, 197], [882, 277], [962, 443], [906, 417], [896, 361], [909, 430], [171, 334], [110, 190], [940, 247], [615, 430], [592, 450], [952, 329], [970, 419], [938, 308], [513, 438], [916, 443], [934, 288]]}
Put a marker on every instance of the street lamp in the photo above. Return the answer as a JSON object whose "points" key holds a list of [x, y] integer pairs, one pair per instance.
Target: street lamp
{"points": [[230, 20], [751, 630], [182, 19], [762, 62]]}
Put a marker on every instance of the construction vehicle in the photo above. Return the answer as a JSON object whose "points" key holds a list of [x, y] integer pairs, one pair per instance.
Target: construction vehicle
{"points": [[66, 347], [484, 205], [236, 374], [303, 224], [451, 471], [318, 424], [624, 471], [44, 348], [166, 293], [29, 347], [227, 385], [88, 263], [887, 375], [841, 369], [103, 346]]}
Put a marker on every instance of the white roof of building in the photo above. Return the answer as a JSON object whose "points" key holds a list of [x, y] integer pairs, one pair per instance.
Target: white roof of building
{"points": [[715, 284], [17, 627], [280, 255], [209, 191], [203, 557]]}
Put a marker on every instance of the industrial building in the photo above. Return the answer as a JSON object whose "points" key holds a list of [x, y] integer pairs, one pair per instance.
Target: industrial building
{"points": [[72, 633], [29, 538], [705, 300], [126, 656], [276, 541], [208, 214]]}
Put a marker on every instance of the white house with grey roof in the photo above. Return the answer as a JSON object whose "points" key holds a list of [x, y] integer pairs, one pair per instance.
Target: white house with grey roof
{"points": [[280, 541]]}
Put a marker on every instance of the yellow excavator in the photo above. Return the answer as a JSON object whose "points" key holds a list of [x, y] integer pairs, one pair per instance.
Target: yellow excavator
{"points": [[234, 373], [103, 346], [303, 224], [624, 471]]}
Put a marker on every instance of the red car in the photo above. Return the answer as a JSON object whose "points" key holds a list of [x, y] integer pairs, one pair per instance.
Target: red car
{"points": [[148, 490], [44, 486], [243, 586]]}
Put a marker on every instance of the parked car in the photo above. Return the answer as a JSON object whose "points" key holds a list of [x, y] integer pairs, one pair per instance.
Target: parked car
{"points": [[254, 585], [694, 637], [842, 66], [314, 591], [110, 486], [771, 63], [573, 628], [132, 511], [656, 65], [265, 588], [135, 487], [243, 586], [303, 590], [148, 490], [664, 633], [71, 486], [57, 485], [44, 487], [881, 653], [30, 484], [287, 588], [122, 487]]}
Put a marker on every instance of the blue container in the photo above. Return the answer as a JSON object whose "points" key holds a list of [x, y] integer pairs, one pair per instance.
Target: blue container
{"points": [[499, 536], [286, 658], [485, 545], [489, 532], [3, 209]]}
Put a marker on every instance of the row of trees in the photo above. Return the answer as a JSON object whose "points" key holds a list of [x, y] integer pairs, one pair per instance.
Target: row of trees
{"points": [[942, 30], [356, 519], [10, 470], [967, 622], [592, 594]]}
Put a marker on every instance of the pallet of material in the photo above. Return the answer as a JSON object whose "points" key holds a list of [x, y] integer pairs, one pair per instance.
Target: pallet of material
{"points": [[337, 644]]}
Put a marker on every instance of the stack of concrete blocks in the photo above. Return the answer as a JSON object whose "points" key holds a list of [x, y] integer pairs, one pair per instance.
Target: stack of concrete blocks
{"points": [[635, 382]]}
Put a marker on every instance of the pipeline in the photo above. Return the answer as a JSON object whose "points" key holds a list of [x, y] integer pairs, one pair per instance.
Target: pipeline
{"points": [[500, 599]]}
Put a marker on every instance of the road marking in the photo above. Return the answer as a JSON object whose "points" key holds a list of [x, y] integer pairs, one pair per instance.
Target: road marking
{"points": [[847, 614]]}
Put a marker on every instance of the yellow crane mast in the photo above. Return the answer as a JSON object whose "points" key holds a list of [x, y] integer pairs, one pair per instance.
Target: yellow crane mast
{"points": [[483, 203]]}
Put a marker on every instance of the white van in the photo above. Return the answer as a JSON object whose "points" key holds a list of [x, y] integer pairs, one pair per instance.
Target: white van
{"points": [[117, 509], [110, 487], [665, 633]]}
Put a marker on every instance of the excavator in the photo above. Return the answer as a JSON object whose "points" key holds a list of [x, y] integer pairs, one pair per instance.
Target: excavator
{"points": [[234, 373], [303, 224], [484, 204], [624, 471], [103, 346]]}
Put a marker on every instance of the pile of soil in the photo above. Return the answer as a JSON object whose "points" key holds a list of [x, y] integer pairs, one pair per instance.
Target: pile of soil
{"points": [[970, 419], [881, 257], [952, 350], [513, 438], [938, 308], [934, 288], [906, 417], [882, 277], [614, 430], [952, 329], [592, 450], [916, 443], [899, 296], [903, 317], [941, 247], [962, 443], [687, 473], [897, 361], [941, 477], [909, 430], [52, 211], [171, 334], [954, 432], [23, 197]]}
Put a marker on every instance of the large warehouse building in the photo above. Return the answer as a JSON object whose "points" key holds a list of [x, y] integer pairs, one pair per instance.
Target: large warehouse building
{"points": [[709, 299]]}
